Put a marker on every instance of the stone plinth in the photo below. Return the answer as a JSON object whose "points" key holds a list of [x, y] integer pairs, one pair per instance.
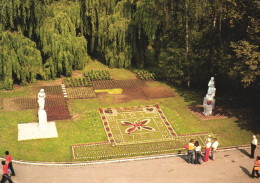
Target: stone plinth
{"points": [[27, 131]]}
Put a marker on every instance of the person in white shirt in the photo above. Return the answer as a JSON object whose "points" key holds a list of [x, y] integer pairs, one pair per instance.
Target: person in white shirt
{"points": [[253, 147], [214, 148]]}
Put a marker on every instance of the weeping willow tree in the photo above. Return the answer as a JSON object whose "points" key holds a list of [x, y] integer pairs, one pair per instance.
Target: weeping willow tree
{"points": [[19, 60], [56, 28], [110, 31], [63, 49]]}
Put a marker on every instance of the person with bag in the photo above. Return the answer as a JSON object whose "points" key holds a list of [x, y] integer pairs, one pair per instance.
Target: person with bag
{"points": [[197, 149], [190, 149], [256, 167], [6, 174], [207, 150], [9, 162]]}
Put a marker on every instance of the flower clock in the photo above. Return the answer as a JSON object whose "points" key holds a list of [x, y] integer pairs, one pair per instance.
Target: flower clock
{"points": [[137, 125]]}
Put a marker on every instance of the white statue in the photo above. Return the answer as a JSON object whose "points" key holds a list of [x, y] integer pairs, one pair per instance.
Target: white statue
{"points": [[41, 99], [41, 112], [211, 82], [211, 85], [209, 101]]}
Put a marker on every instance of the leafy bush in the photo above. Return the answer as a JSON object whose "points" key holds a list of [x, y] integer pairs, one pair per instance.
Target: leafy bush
{"points": [[96, 75], [144, 75], [77, 82]]}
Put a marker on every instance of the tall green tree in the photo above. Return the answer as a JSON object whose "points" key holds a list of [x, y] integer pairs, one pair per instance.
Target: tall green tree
{"points": [[19, 60]]}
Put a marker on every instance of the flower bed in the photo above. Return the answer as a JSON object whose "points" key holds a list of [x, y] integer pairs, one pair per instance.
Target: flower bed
{"points": [[139, 124], [80, 92], [96, 151]]}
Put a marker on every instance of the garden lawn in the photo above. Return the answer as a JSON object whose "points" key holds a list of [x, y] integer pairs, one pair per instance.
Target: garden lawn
{"points": [[86, 126]]}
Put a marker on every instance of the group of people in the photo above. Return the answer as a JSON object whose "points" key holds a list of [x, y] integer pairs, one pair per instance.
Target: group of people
{"points": [[8, 169], [195, 148]]}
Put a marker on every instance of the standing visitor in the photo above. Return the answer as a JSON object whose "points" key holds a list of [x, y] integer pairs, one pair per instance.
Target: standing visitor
{"points": [[253, 147], [214, 148], [9, 162], [190, 152], [6, 175], [256, 167], [197, 149], [207, 150]]}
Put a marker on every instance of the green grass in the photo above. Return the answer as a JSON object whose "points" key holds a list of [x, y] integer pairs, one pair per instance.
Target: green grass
{"points": [[86, 125]]}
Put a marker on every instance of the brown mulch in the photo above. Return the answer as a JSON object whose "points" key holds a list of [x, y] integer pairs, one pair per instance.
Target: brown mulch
{"points": [[57, 112], [158, 92], [112, 84], [217, 113], [126, 96], [135, 93], [80, 92]]}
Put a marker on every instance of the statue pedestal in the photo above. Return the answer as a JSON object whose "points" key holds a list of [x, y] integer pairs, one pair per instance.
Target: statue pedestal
{"points": [[37, 130], [208, 107], [207, 110], [42, 119]]}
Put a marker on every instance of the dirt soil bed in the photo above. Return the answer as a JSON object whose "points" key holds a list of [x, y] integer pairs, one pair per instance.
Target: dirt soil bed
{"points": [[218, 113], [49, 90], [21, 103], [111, 84], [57, 112], [126, 96], [157, 92], [55, 106]]}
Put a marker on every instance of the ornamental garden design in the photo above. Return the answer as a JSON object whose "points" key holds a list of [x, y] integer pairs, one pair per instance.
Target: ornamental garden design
{"points": [[136, 124]]}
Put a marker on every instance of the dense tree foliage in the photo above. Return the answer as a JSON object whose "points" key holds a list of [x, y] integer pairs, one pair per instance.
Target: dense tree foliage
{"points": [[182, 41]]}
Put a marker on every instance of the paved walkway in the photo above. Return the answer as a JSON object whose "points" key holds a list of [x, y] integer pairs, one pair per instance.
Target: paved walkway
{"points": [[229, 166]]}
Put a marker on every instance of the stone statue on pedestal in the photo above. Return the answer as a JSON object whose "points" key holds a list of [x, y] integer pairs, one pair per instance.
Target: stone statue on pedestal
{"points": [[209, 101], [41, 112]]}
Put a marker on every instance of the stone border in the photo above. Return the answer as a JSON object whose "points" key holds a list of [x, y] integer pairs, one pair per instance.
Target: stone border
{"points": [[120, 160]]}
